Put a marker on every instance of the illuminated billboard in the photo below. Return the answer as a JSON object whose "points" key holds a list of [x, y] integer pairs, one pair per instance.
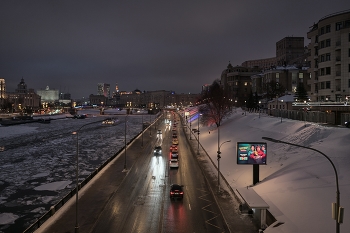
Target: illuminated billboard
{"points": [[251, 153]]}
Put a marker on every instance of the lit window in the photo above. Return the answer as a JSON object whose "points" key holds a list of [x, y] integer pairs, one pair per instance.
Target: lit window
{"points": [[245, 83]]}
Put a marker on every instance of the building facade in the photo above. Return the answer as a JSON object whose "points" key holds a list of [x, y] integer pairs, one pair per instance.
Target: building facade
{"points": [[49, 95], [237, 80], [104, 89], [329, 58], [24, 99]]}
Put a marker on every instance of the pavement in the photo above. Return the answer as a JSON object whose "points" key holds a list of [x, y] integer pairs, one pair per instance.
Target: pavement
{"points": [[101, 188]]}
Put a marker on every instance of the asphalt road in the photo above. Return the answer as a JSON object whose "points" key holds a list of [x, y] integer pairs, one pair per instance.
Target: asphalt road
{"points": [[138, 200]]}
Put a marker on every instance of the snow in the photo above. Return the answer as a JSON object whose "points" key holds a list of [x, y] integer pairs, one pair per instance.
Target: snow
{"points": [[54, 185], [298, 184], [7, 218]]}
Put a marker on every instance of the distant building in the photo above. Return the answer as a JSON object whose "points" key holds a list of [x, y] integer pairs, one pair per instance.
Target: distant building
{"points": [[48, 95], [289, 51], [23, 99], [104, 89], [2, 92], [238, 81]]}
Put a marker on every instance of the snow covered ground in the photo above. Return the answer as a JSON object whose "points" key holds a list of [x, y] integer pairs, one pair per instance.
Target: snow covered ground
{"points": [[38, 161], [37, 166], [298, 184]]}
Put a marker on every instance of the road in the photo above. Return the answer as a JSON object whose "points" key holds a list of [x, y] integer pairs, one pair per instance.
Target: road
{"points": [[141, 203]]}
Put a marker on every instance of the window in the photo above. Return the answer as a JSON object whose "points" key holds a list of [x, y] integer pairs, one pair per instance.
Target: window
{"points": [[328, 56], [322, 44], [322, 85], [328, 28], [322, 72], [245, 83], [328, 70], [322, 30], [328, 42], [338, 26], [322, 58], [277, 75], [301, 77], [328, 84]]}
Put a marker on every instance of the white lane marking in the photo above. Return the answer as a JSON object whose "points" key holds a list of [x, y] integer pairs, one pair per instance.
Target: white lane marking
{"points": [[189, 206]]}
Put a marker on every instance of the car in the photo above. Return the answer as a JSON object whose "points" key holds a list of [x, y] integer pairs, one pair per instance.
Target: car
{"points": [[174, 155], [176, 191], [175, 141], [347, 124], [159, 131], [80, 116], [174, 163], [109, 121], [157, 150], [174, 135], [173, 147]]}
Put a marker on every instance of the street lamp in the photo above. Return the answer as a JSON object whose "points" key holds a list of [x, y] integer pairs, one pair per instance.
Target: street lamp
{"points": [[77, 174], [219, 156], [259, 107], [125, 145], [142, 130], [190, 128], [337, 211], [281, 110], [198, 133]]}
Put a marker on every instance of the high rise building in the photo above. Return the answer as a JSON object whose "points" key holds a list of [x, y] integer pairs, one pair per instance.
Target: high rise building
{"points": [[329, 58], [104, 89]]}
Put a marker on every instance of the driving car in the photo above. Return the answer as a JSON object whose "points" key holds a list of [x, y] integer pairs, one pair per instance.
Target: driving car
{"points": [[173, 147], [176, 191], [157, 150], [175, 141], [174, 155], [174, 163]]}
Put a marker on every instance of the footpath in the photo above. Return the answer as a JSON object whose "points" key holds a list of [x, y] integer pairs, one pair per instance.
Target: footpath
{"points": [[95, 195]]}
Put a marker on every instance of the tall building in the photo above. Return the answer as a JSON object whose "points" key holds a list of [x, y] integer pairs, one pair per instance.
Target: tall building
{"points": [[329, 58], [2, 92], [104, 89], [24, 99], [288, 49]]}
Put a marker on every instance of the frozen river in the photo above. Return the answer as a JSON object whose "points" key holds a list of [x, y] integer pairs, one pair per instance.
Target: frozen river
{"points": [[38, 162]]}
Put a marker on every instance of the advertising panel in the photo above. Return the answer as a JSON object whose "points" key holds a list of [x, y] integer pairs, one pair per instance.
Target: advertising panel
{"points": [[251, 153]]}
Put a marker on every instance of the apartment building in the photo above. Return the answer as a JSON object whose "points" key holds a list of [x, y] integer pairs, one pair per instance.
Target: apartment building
{"points": [[329, 58]]}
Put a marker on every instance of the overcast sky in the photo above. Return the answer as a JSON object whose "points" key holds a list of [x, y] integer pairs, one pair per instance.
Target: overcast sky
{"points": [[146, 45]]}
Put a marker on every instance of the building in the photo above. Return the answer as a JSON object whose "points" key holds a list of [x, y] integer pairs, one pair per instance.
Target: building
{"points": [[23, 99], [48, 95], [2, 93], [329, 58], [237, 80], [289, 51], [104, 89]]}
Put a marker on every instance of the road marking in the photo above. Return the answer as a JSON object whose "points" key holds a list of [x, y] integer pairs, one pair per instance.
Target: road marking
{"points": [[189, 206]]}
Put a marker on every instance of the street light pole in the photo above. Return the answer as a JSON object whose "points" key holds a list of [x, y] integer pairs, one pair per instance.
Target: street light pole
{"points": [[142, 131], [337, 208], [77, 174], [125, 145], [198, 133], [219, 156]]}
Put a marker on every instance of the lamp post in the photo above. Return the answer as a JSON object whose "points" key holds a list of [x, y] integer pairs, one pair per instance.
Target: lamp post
{"points": [[190, 128], [198, 134], [125, 145], [281, 110], [337, 210], [259, 107], [219, 156], [142, 131], [77, 174]]}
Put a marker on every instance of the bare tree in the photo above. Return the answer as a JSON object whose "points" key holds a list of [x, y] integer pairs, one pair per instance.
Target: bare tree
{"points": [[216, 104]]}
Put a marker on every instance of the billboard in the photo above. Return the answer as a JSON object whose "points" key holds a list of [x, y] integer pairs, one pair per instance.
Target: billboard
{"points": [[251, 153]]}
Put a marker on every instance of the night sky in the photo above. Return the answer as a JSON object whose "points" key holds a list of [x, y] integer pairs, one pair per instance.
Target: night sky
{"points": [[145, 45]]}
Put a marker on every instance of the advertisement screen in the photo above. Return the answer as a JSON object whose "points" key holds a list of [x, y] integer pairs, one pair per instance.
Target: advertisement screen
{"points": [[251, 153]]}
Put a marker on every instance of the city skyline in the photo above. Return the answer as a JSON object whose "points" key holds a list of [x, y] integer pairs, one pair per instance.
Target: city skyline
{"points": [[179, 46]]}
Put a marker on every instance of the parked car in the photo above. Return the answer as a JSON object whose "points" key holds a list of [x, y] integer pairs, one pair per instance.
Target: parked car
{"points": [[80, 116], [176, 191]]}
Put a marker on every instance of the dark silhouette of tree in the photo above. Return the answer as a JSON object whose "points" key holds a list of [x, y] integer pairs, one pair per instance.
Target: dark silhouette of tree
{"points": [[273, 89], [301, 93], [216, 104]]}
